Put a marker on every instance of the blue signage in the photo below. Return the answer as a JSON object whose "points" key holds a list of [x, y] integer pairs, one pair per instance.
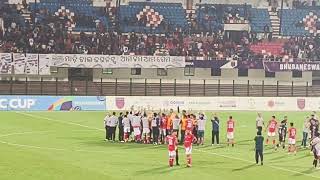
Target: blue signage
{"points": [[52, 103]]}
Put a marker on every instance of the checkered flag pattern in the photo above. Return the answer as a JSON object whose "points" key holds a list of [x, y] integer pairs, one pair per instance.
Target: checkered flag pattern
{"points": [[310, 22], [154, 19], [62, 12]]}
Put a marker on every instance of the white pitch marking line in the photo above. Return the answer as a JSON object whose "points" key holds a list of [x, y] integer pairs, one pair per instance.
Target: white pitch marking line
{"points": [[64, 122], [251, 162], [36, 132], [47, 148], [274, 167], [31, 132]]}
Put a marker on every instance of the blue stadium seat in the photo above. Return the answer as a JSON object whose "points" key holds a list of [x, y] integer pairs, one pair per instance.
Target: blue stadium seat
{"points": [[171, 12], [79, 7]]}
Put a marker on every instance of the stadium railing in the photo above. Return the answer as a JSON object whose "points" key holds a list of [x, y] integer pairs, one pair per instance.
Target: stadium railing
{"points": [[159, 87]]}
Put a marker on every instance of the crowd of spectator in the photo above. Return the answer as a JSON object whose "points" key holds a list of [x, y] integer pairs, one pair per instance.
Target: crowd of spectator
{"points": [[303, 48], [51, 34], [54, 38], [304, 3]]}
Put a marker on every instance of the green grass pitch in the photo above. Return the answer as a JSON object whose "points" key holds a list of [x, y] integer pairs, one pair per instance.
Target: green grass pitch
{"points": [[71, 146]]}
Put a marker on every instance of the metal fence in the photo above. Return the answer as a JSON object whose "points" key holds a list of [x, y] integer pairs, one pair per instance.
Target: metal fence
{"points": [[160, 88]]}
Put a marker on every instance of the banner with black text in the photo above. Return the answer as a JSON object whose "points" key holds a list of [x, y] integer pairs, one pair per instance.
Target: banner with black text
{"points": [[115, 61]]}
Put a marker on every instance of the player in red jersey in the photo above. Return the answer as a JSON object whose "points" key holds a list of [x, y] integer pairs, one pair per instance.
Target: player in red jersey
{"points": [[230, 131], [163, 128], [189, 123], [272, 127], [188, 140], [172, 146], [292, 139]]}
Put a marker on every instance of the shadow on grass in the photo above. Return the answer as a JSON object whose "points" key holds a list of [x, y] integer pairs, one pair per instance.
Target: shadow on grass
{"points": [[282, 161], [159, 170], [245, 142], [209, 147], [278, 157], [244, 167], [308, 171], [266, 153], [125, 146]]}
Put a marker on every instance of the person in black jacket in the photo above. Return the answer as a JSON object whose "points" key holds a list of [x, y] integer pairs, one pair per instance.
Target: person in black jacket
{"points": [[259, 147], [215, 129], [120, 118]]}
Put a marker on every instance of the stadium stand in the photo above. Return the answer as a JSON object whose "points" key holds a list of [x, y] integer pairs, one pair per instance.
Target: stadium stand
{"points": [[167, 19], [152, 17], [259, 18], [81, 14]]}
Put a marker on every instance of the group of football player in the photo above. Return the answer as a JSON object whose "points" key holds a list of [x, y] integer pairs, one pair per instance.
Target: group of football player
{"points": [[165, 128], [310, 133]]}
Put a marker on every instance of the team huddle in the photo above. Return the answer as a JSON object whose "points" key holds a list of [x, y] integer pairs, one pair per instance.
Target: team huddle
{"points": [[188, 129], [161, 128]]}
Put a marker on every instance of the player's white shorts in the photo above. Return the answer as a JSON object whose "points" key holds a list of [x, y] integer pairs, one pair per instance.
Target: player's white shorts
{"points": [[188, 150], [230, 135], [271, 134], [163, 132], [292, 141], [172, 153], [317, 152], [136, 131], [126, 129], [145, 131]]}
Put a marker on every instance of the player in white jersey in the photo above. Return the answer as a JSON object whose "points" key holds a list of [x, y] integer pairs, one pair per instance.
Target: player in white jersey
{"points": [[136, 124], [145, 129], [315, 145], [130, 116], [126, 128]]}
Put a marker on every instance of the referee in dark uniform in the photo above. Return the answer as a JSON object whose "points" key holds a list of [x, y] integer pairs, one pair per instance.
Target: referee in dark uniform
{"points": [[259, 139]]}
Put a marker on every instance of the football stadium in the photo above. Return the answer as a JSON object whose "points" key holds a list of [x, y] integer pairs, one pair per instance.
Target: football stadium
{"points": [[159, 89]]}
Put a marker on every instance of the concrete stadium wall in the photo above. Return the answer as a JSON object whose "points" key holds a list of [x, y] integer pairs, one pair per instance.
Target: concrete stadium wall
{"points": [[61, 74], [256, 76]]}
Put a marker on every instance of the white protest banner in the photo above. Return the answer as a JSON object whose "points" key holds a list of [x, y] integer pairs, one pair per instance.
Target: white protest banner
{"points": [[32, 64], [44, 64], [5, 63], [115, 61], [19, 63]]}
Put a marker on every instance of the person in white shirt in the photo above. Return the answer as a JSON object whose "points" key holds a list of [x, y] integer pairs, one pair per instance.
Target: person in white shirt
{"points": [[306, 132], [145, 129], [130, 116], [155, 124], [113, 125], [259, 122], [126, 127], [106, 122], [136, 124], [201, 128], [315, 143], [176, 124]]}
